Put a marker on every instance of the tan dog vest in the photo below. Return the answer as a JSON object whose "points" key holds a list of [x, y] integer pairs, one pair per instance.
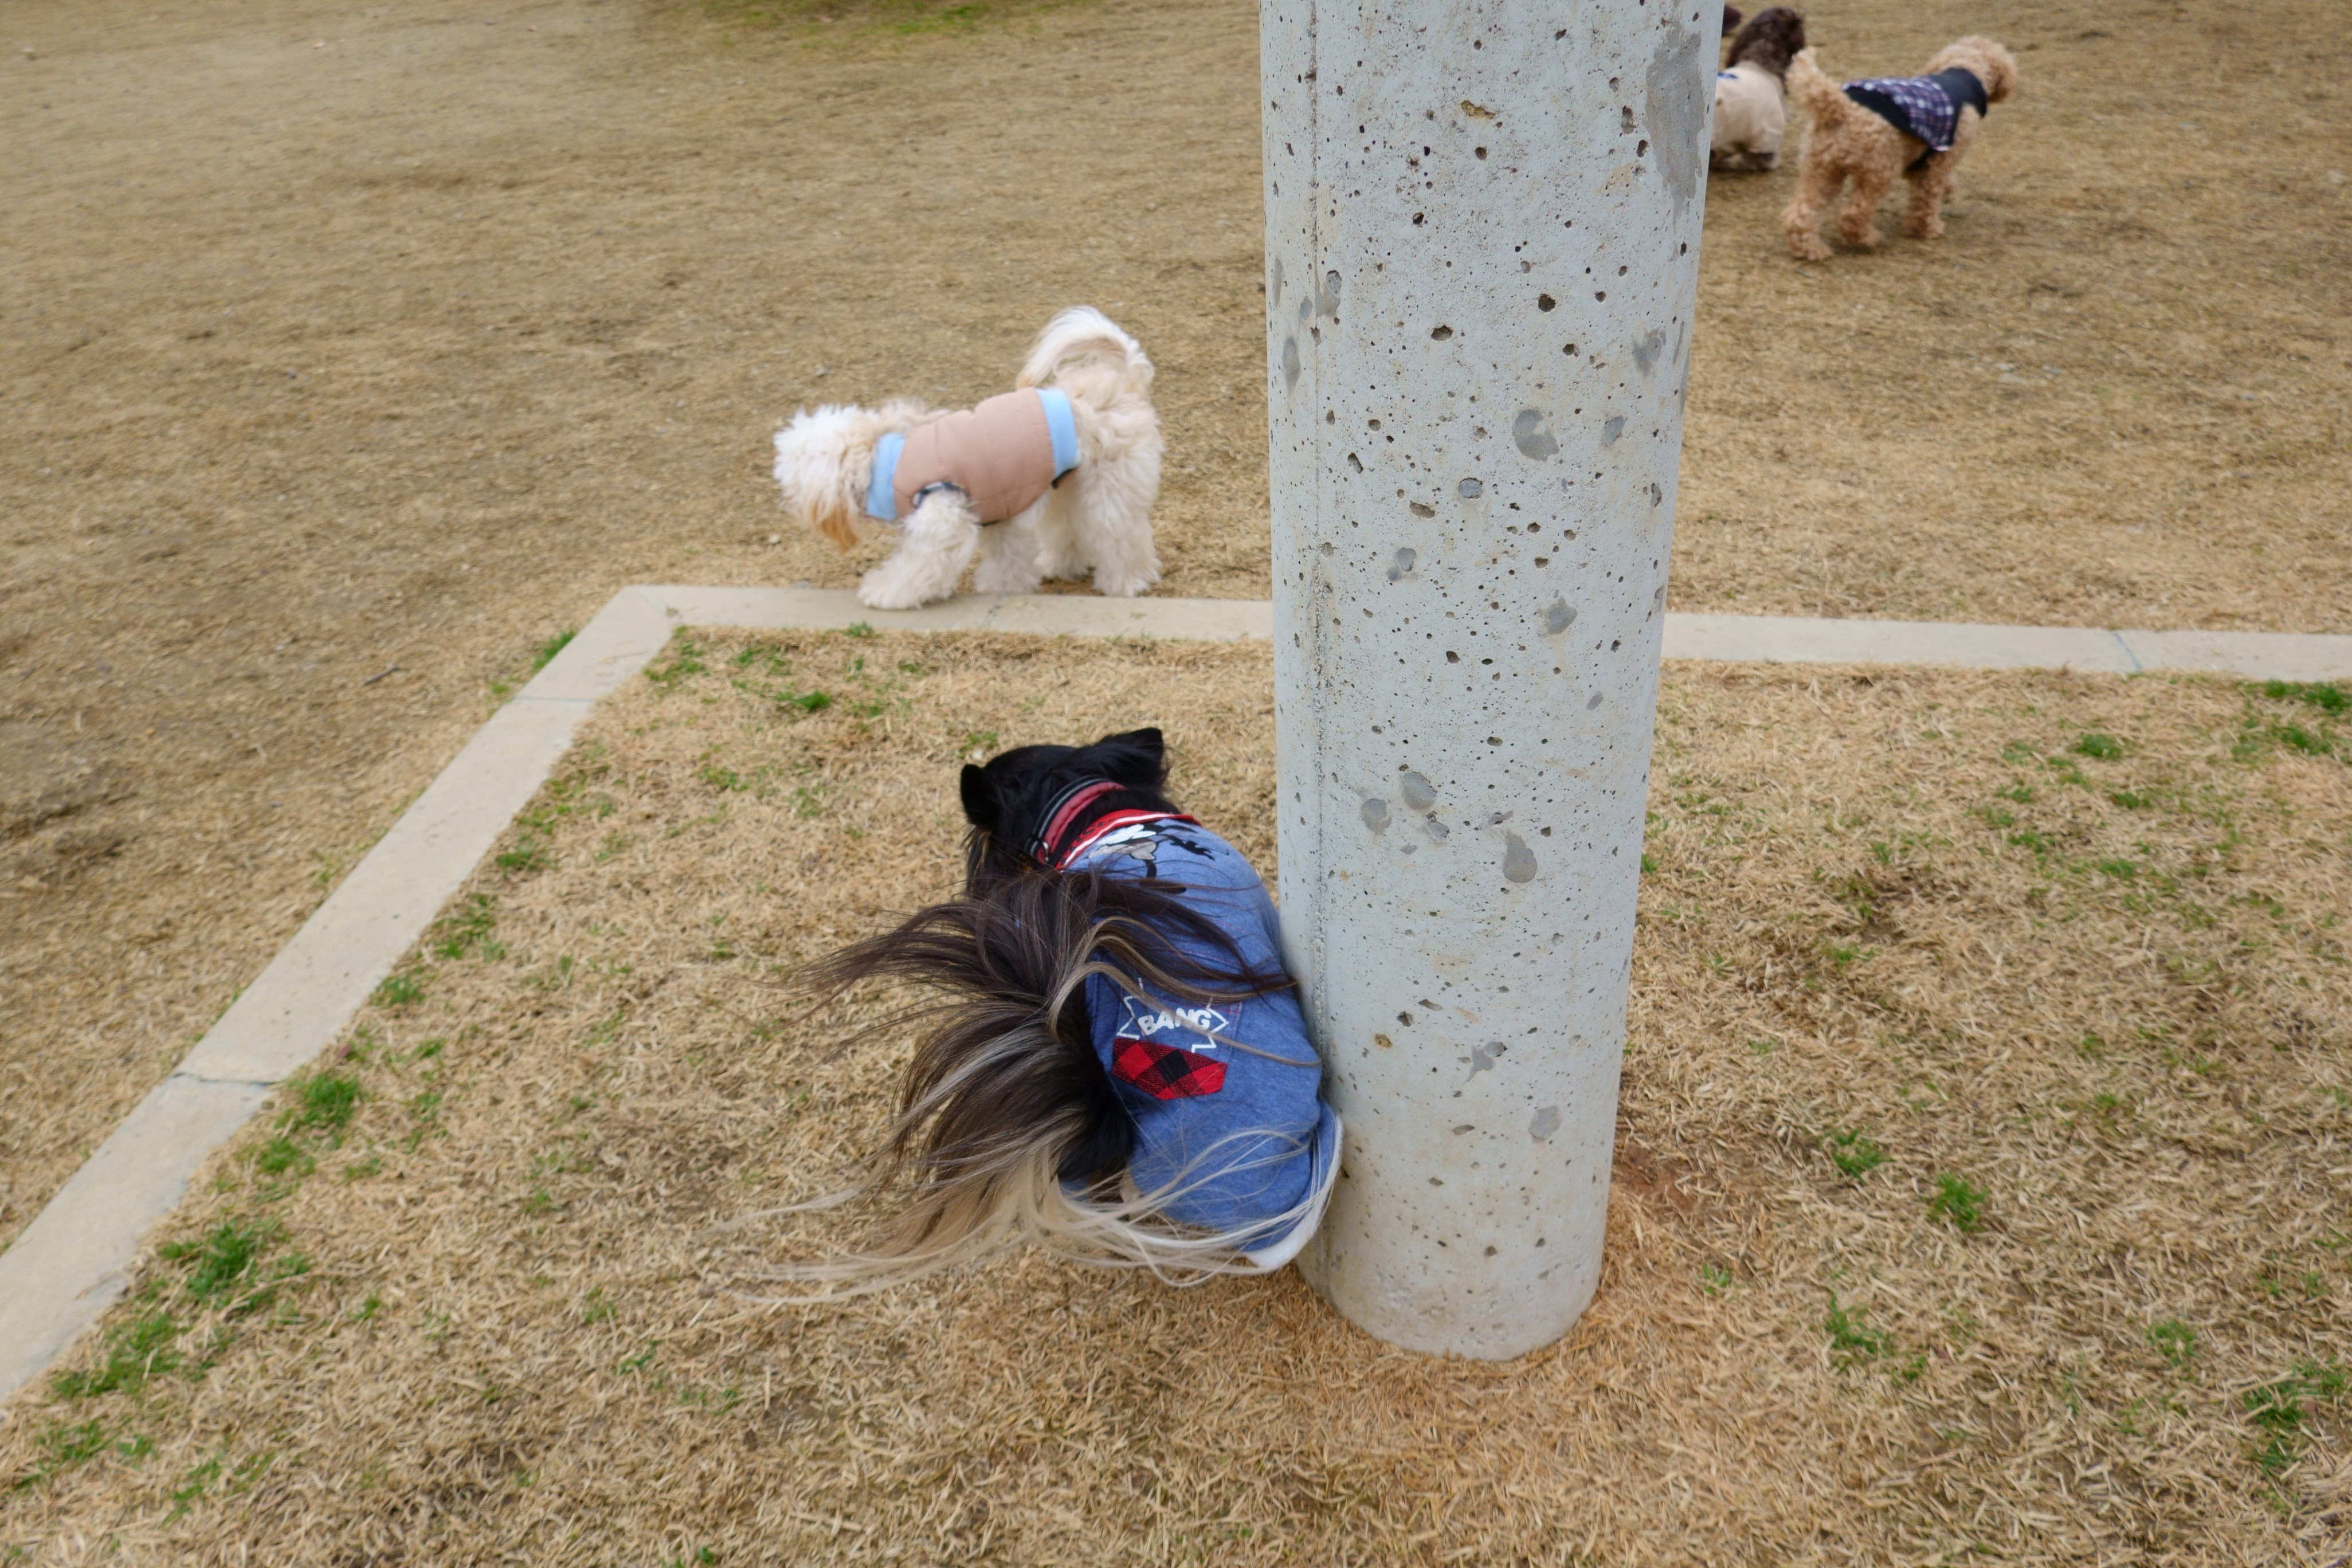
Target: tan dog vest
{"points": [[1002, 455]]}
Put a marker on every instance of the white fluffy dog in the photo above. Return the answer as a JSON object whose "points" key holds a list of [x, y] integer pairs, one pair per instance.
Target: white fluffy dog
{"points": [[1051, 480]]}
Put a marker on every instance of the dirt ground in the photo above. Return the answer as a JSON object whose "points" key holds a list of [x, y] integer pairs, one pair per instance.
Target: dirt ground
{"points": [[1981, 1191], [348, 353]]}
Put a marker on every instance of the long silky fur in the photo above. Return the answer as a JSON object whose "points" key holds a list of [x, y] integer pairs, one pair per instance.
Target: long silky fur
{"points": [[1005, 1103]]}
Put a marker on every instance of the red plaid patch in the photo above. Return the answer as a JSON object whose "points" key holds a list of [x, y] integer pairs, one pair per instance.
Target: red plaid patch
{"points": [[1163, 1072]]}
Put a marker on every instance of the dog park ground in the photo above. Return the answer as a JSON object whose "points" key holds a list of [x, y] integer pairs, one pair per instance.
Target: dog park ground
{"points": [[353, 356], [1981, 1191]]}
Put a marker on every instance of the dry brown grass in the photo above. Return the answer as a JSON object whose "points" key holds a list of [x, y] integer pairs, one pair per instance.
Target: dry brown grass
{"points": [[2102, 980], [407, 350]]}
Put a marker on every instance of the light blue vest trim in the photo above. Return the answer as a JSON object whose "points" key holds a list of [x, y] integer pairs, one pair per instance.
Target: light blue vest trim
{"points": [[1063, 427], [879, 502]]}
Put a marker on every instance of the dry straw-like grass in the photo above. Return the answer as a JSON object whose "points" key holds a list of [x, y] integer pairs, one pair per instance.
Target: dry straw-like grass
{"points": [[1982, 1188]]}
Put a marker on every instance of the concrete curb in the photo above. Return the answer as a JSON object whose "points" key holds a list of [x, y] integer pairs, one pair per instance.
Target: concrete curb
{"points": [[74, 1260], [1796, 640]]}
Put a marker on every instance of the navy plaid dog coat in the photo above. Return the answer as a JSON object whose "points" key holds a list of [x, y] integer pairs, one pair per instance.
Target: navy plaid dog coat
{"points": [[1928, 107]]}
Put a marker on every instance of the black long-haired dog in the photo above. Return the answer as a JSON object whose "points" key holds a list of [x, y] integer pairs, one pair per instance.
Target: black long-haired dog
{"points": [[1116, 1068]]}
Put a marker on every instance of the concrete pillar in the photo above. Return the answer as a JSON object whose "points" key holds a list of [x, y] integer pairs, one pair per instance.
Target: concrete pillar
{"points": [[1482, 253]]}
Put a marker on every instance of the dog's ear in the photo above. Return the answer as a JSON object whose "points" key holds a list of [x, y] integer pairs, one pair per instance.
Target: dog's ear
{"points": [[979, 804], [1138, 757]]}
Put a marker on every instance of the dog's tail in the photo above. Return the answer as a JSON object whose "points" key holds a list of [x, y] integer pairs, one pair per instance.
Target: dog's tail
{"points": [[1825, 100], [1081, 333], [1007, 1127]]}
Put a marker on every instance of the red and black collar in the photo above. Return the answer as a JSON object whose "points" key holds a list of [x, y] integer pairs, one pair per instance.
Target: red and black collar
{"points": [[1070, 831]]}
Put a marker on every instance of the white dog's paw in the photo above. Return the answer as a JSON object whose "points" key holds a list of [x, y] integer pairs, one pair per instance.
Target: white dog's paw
{"points": [[1006, 573], [1125, 587], [883, 589], [1064, 565]]}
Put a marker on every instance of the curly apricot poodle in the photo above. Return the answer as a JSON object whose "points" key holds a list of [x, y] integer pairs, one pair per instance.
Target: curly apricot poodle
{"points": [[1867, 135]]}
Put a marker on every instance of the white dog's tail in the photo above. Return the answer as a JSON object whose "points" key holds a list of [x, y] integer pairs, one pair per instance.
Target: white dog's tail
{"points": [[1082, 332]]}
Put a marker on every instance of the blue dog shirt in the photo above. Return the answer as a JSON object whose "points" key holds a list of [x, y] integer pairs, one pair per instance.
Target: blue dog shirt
{"points": [[1243, 1138], [1928, 107]]}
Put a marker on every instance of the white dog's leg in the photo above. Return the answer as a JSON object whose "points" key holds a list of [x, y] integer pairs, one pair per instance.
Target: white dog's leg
{"points": [[1008, 555], [934, 547], [1059, 552], [1114, 528]]}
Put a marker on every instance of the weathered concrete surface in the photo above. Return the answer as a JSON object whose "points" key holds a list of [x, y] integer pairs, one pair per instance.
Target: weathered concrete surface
{"points": [[1482, 256]]}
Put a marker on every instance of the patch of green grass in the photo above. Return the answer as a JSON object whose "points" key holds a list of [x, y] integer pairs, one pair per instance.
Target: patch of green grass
{"points": [[942, 21], [550, 648], [400, 990], [467, 930], [529, 853], [978, 744], [2279, 1410], [597, 1308], [683, 662], [1853, 1154], [2175, 1340], [2121, 870], [2107, 748], [225, 1265], [2020, 793], [2131, 800], [2328, 696], [65, 1445], [137, 1348], [1959, 1204], [2302, 740], [859, 629], [1851, 1343], [282, 1156], [322, 1102]]}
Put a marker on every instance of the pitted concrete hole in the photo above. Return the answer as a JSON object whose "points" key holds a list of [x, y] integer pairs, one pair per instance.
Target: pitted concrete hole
{"points": [[1546, 1123], [1610, 428], [1518, 860], [1418, 792], [1592, 702], [1376, 815], [1289, 363], [1558, 617], [1546, 302], [1470, 490], [1529, 434], [1401, 563], [1647, 349], [1419, 509], [1439, 334]]}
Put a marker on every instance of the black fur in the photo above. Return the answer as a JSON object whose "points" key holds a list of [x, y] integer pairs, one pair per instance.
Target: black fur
{"points": [[1006, 800]]}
